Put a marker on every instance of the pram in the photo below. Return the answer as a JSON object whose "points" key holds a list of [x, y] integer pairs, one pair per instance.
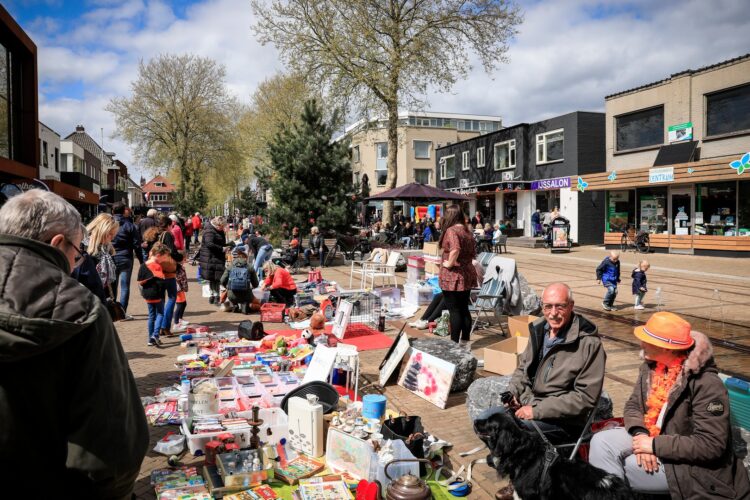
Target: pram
{"points": [[289, 259]]}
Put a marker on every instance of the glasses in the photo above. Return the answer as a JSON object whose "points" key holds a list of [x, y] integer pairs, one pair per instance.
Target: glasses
{"points": [[549, 307], [78, 258]]}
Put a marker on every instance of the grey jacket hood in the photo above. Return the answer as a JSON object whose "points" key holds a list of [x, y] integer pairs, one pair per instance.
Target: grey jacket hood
{"points": [[41, 306]]}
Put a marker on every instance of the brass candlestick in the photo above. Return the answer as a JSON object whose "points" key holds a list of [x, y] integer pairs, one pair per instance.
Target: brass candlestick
{"points": [[255, 428]]}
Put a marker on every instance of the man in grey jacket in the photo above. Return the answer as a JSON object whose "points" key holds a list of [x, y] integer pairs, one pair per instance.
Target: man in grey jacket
{"points": [[71, 421]]}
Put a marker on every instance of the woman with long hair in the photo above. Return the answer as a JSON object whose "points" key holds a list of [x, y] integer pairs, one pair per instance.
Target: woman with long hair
{"points": [[101, 231], [457, 274], [280, 283]]}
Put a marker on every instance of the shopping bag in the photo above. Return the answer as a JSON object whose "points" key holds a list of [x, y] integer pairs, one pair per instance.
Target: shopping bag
{"points": [[206, 291]]}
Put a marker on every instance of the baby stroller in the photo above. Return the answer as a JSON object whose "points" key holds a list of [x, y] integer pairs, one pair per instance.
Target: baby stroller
{"points": [[289, 258]]}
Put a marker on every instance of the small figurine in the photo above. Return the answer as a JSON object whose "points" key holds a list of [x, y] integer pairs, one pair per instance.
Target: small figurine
{"points": [[308, 336]]}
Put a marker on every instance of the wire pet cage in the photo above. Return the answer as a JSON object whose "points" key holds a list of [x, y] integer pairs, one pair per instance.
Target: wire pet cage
{"points": [[365, 308]]}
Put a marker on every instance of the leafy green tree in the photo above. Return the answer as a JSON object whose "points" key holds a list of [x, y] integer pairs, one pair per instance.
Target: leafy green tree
{"points": [[310, 176]]}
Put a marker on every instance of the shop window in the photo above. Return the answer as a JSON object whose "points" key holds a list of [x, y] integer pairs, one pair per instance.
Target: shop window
{"points": [[465, 160], [448, 167], [652, 210], [640, 129], [728, 111], [620, 209], [504, 155], [422, 150], [743, 212], [480, 157], [716, 206], [549, 146]]}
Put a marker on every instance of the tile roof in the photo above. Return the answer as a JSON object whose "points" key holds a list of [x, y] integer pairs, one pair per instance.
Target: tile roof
{"points": [[150, 186], [87, 142]]}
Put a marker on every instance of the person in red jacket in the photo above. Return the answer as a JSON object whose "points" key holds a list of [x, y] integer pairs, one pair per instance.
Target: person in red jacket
{"points": [[280, 283], [196, 226]]}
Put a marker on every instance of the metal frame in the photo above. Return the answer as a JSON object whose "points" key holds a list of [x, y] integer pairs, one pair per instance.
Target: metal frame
{"points": [[586, 434]]}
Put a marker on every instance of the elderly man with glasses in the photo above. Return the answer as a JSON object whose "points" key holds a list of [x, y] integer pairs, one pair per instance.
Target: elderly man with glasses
{"points": [[68, 400]]}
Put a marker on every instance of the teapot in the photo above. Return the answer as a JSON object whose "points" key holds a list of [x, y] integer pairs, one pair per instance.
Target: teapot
{"points": [[407, 487]]}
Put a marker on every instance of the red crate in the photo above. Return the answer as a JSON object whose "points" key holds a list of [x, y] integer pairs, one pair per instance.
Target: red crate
{"points": [[272, 313]]}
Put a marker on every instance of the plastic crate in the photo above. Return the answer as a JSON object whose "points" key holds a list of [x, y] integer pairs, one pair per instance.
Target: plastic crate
{"points": [[414, 274], [272, 313], [739, 401]]}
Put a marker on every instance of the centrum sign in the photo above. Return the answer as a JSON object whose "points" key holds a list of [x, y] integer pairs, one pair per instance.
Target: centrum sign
{"points": [[663, 174], [546, 184]]}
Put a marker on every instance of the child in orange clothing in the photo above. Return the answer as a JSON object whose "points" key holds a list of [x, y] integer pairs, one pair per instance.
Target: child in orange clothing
{"points": [[181, 301], [151, 283], [280, 283]]}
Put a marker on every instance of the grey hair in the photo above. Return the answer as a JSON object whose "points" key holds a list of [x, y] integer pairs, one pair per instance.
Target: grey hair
{"points": [[315, 230], [570, 290], [151, 213], [40, 215], [218, 221]]}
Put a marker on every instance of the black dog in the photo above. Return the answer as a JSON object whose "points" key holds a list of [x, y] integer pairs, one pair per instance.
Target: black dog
{"points": [[520, 454]]}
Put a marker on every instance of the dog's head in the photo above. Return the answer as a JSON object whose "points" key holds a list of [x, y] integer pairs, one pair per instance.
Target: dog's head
{"points": [[503, 435]]}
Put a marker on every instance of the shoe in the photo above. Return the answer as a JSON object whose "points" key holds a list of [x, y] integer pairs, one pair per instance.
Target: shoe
{"points": [[184, 322], [606, 307], [165, 332], [420, 324], [224, 307], [151, 342], [245, 309], [128, 317], [480, 363], [639, 307], [212, 300], [178, 328], [505, 493]]}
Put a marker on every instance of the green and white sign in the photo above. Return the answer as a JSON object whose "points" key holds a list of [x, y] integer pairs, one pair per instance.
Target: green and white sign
{"points": [[681, 132]]}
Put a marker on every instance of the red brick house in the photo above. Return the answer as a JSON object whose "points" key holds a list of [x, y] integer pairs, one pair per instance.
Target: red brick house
{"points": [[159, 193]]}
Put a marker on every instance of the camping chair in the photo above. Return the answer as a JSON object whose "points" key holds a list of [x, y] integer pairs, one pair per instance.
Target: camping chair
{"points": [[384, 271], [488, 300], [502, 244], [586, 433]]}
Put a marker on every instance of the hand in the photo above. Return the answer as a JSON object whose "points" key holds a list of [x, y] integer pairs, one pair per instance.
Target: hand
{"points": [[643, 443], [643, 289], [525, 413], [647, 461]]}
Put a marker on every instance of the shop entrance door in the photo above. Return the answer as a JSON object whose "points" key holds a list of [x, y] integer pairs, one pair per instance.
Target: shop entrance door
{"points": [[682, 209]]}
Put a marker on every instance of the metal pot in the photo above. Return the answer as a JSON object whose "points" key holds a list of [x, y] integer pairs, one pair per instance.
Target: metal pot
{"points": [[407, 487]]}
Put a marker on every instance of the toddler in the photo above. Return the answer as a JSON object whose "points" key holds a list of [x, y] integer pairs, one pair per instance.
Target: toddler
{"points": [[152, 284], [608, 274], [639, 283]]}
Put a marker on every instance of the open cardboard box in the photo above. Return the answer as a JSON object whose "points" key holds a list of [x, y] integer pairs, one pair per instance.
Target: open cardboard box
{"points": [[518, 326], [502, 357]]}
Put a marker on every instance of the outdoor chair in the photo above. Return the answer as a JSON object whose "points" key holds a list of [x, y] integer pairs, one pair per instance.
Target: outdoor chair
{"points": [[488, 300], [502, 244], [386, 272], [358, 267], [586, 433]]}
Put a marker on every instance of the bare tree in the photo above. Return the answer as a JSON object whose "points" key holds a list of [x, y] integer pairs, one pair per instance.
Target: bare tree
{"points": [[376, 55], [178, 117]]}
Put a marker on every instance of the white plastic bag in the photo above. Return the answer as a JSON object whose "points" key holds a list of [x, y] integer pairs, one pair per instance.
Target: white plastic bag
{"points": [[206, 291], [171, 444]]}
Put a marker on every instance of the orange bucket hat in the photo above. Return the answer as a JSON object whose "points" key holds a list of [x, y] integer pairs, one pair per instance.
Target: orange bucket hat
{"points": [[666, 330]]}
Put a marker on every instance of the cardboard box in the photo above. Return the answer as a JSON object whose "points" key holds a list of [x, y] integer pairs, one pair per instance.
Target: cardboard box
{"points": [[502, 357], [518, 326], [431, 268], [431, 248]]}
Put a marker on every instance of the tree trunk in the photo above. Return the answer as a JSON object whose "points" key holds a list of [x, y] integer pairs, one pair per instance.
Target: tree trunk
{"points": [[392, 178]]}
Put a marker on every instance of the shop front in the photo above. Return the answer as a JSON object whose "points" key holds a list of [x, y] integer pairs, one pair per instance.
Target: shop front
{"points": [[85, 201], [700, 207]]}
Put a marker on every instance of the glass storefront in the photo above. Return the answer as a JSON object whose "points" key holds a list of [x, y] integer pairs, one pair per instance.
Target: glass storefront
{"points": [[743, 208], [509, 208], [652, 210], [716, 209], [486, 205], [620, 209]]}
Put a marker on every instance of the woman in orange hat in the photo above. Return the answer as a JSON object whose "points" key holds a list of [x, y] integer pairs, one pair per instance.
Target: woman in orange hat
{"points": [[677, 436]]}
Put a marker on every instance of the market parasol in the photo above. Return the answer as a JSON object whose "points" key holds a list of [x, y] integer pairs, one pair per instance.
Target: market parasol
{"points": [[417, 192]]}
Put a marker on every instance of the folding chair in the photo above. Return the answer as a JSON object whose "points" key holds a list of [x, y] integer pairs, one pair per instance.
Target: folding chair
{"points": [[491, 292], [586, 433]]}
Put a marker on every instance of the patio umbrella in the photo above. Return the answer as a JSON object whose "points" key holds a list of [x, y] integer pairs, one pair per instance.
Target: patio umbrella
{"points": [[418, 193]]}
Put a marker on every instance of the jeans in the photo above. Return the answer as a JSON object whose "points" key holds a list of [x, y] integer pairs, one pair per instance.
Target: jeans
{"points": [[554, 433], [309, 252], [155, 315], [406, 240], [611, 295], [612, 451], [264, 253], [195, 235], [458, 306], [639, 298], [171, 287], [124, 271]]}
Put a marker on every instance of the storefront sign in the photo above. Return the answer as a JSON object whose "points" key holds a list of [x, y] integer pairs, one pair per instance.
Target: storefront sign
{"points": [[545, 184], [662, 174], [508, 176], [681, 132], [466, 191]]}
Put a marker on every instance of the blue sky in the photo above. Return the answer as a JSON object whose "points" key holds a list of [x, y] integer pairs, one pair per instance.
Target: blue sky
{"points": [[568, 55]]}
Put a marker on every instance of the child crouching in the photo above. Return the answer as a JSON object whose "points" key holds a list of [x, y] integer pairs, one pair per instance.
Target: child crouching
{"points": [[152, 285]]}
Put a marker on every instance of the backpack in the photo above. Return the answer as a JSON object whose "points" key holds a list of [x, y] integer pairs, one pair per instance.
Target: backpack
{"points": [[239, 280]]}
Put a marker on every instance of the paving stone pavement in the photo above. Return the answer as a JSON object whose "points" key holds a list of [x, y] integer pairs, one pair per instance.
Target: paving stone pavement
{"points": [[154, 367]]}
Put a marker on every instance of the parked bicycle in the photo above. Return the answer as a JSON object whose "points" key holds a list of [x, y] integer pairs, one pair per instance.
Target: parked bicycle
{"points": [[349, 247], [640, 241]]}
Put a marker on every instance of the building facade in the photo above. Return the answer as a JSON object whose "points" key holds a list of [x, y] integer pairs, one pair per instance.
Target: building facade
{"points": [[510, 173], [49, 153], [419, 135], [159, 193], [675, 161], [135, 195]]}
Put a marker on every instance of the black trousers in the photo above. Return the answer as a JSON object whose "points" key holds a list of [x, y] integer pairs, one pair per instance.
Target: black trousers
{"points": [[458, 306], [435, 309], [283, 296]]}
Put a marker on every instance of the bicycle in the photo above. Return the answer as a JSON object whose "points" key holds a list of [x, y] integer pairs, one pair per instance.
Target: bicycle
{"points": [[640, 242], [349, 247]]}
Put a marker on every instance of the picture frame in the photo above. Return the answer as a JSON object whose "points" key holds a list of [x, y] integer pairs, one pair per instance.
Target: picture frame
{"points": [[345, 452], [342, 318], [428, 376], [393, 357]]}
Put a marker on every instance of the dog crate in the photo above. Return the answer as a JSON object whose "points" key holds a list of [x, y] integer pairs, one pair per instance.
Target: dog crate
{"points": [[272, 313], [365, 307]]}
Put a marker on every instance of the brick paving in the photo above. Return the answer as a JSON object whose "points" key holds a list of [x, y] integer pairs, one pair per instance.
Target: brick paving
{"points": [[682, 280]]}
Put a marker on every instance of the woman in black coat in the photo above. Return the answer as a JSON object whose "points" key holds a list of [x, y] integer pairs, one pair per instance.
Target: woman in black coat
{"points": [[212, 256]]}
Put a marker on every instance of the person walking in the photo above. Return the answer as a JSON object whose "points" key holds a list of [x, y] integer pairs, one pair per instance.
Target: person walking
{"points": [[536, 222], [197, 226], [640, 283], [127, 244], [101, 232], [608, 274], [457, 274], [212, 255], [77, 415]]}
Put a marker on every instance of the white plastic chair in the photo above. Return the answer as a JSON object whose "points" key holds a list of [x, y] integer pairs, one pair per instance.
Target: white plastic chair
{"points": [[359, 267], [386, 272]]}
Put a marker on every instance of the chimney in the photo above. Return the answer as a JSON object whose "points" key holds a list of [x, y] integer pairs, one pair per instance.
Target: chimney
{"points": [[79, 128], [143, 181]]}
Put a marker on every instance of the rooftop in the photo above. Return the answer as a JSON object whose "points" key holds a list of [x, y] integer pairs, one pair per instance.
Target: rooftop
{"points": [[405, 115], [151, 187]]}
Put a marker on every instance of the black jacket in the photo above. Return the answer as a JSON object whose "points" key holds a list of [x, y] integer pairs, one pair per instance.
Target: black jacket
{"points": [[87, 275], [639, 280], [256, 243], [317, 243], [211, 255], [68, 400], [127, 241], [152, 287], [146, 223]]}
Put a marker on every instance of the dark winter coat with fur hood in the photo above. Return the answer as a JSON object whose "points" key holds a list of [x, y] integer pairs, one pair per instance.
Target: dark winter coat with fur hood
{"points": [[695, 444]]}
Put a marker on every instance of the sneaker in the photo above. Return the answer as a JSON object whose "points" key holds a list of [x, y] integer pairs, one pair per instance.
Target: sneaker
{"points": [[128, 317], [639, 307], [151, 343], [178, 328], [184, 322], [156, 340], [606, 307]]}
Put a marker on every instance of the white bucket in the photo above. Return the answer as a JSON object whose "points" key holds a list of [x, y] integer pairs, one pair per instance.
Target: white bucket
{"points": [[204, 403]]}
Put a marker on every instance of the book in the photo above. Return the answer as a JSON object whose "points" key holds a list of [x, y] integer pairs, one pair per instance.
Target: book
{"points": [[300, 468]]}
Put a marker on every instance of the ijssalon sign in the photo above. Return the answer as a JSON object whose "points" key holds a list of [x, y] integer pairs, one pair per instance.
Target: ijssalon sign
{"points": [[545, 184]]}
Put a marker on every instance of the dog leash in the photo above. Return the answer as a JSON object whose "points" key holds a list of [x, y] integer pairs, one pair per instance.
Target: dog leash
{"points": [[550, 452], [456, 476]]}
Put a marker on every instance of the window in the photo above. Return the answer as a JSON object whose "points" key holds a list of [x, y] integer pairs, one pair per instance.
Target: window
{"points": [[381, 163], [640, 129], [743, 208], [549, 146], [57, 160], [45, 154], [480, 157], [422, 150], [728, 111], [620, 209], [355, 154], [652, 210], [448, 167], [504, 155], [718, 204], [159, 184], [422, 175], [465, 160], [158, 197]]}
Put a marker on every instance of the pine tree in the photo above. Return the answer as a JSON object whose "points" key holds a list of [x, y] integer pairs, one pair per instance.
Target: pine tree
{"points": [[311, 175]]}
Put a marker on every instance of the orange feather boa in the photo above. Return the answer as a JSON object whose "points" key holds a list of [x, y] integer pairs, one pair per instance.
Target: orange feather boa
{"points": [[662, 380]]}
